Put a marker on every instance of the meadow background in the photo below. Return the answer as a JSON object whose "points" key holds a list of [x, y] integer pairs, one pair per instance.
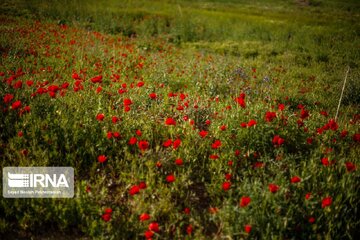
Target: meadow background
{"points": [[201, 119]]}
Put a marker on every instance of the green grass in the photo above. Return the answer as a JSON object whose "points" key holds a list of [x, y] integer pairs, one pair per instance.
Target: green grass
{"points": [[207, 53]]}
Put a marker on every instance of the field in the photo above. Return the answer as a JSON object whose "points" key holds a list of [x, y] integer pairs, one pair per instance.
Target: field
{"points": [[206, 119]]}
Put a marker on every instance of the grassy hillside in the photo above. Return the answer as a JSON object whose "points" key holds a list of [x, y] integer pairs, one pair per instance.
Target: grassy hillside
{"points": [[183, 119]]}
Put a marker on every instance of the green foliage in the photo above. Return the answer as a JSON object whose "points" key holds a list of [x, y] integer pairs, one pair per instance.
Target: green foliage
{"points": [[201, 59]]}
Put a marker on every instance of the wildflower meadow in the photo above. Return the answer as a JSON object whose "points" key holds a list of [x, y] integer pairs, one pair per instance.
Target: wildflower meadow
{"points": [[183, 120]]}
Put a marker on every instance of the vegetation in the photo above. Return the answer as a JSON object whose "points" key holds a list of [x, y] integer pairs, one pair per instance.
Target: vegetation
{"points": [[183, 119]]}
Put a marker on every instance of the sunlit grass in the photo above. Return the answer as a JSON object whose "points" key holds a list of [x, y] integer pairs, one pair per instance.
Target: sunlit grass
{"points": [[204, 102]]}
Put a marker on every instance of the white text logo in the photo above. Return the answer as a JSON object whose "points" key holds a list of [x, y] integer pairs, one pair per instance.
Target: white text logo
{"points": [[36, 180]]}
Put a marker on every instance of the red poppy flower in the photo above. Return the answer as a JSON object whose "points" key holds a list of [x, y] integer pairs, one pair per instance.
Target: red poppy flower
{"points": [[251, 123], [213, 156], [241, 100], [333, 125], [278, 141], [75, 76], [52, 94], [311, 220], [300, 123], [108, 210], [29, 83], [295, 179], [142, 185], [127, 109], [154, 226], [281, 107], [116, 134], [134, 190], [180, 108], [172, 94], [179, 162], [243, 124], [216, 144], [356, 137], [26, 109], [269, 116], [304, 113], [273, 188], [132, 141], [244, 201], [152, 95], [109, 135], [114, 119], [107, 214], [100, 117], [65, 85], [77, 86], [127, 102], [203, 133], [325, 161], [187, 210], [138, 132], [176, 143], [115, 77], [226, 186], [121, 91], [140, 84], [8, 97], [98, 89], [182, 96], [96, 79], [149, 234], [247, 228], [344, 133], [223, 127], [167, 143], [307, 196], [102, 158], [258, 165], [20, 134], [106, 217], [300, 106], [53, 88], [326, 202], [170, 121], [41, 90], [189, 229], [18, 84], [143, 145], [16, 105], [324, 113], [170, 178], [158, 164], [143, 217], [228, 176], [350, 166]]}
